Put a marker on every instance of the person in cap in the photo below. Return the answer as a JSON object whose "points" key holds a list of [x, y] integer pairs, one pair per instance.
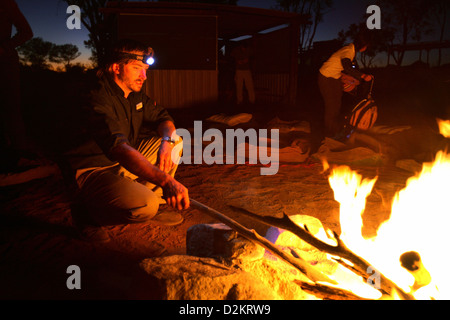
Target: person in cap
{"points": [[125, 170]]}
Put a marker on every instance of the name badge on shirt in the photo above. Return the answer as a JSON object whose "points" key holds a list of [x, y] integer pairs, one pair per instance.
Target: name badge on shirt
{"points": [[139, 106]]}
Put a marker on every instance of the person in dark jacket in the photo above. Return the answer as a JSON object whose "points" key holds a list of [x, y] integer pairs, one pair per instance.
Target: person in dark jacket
{"points": [[122, 177], [330, 85]]}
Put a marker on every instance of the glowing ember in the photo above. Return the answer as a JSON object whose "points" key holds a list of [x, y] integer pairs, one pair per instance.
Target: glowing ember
{"points": [[444, 127]]}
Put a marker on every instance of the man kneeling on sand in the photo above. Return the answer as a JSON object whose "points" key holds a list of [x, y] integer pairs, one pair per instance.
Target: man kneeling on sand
{"points": [[122, 177]]}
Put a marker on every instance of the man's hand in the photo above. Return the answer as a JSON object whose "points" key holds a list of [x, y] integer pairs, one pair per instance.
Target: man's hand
{"points": [[367, 77], [165, 162], [174, 192], [166, 129], [176, 195]]}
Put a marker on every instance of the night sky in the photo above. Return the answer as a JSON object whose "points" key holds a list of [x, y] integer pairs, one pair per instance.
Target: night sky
{"points": [[48, 20]]}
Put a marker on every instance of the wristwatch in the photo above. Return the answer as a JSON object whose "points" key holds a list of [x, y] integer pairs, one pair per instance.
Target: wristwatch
{"points": [[168, 139]]}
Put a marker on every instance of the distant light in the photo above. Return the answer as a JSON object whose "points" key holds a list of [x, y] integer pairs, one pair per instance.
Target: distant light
{"points": [[282, 26], [241, 38]]}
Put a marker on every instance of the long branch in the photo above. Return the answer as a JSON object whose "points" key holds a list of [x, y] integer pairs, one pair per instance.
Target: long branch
{"points": [[326, 292], [386, 286], [308, 270]]}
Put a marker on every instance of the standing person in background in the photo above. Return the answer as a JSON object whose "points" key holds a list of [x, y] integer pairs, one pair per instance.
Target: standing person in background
{"points": [[330, 84], [14, 142], [243, 76]]}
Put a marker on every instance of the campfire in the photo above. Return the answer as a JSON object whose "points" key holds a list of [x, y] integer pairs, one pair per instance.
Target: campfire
{"points": [[405, 249], [403, 259]]}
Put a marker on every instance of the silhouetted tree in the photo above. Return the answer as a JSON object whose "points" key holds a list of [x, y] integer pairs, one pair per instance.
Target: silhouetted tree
{"points": [[36, 52], [379, 41], [439, 14], [64, 54], [410, 20], [100, 27], [316, 9]]}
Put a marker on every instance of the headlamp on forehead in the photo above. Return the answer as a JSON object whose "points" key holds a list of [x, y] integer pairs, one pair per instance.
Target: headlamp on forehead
{"points": [[145, 58]]}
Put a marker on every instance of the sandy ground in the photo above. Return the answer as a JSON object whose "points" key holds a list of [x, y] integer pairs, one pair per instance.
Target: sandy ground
{"points": [[38, 242]]}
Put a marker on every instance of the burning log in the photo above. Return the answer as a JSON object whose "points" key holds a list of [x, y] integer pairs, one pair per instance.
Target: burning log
{"points": [[357, 264], [327, 292], [308, 270]]}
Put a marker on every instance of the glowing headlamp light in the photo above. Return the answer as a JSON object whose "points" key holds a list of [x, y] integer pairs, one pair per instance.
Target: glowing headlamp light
{"points": [[146, 58], [149, 60]]}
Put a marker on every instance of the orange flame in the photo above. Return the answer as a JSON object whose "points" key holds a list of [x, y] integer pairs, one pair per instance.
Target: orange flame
{"points": [[444, 127], [418, 223], [351, 191]]}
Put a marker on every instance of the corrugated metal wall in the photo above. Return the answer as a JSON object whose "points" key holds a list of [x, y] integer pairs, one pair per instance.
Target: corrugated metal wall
{"points": [[270, 62], [186, 73], [182, 88], [271, 87]]}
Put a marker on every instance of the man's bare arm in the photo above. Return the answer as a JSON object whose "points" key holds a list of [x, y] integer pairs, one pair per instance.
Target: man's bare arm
{"points": [[165, 163], [166, 128]]}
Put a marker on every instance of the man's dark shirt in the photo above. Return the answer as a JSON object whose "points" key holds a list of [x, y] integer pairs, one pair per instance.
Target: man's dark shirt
{"points": [[112, 120]]}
